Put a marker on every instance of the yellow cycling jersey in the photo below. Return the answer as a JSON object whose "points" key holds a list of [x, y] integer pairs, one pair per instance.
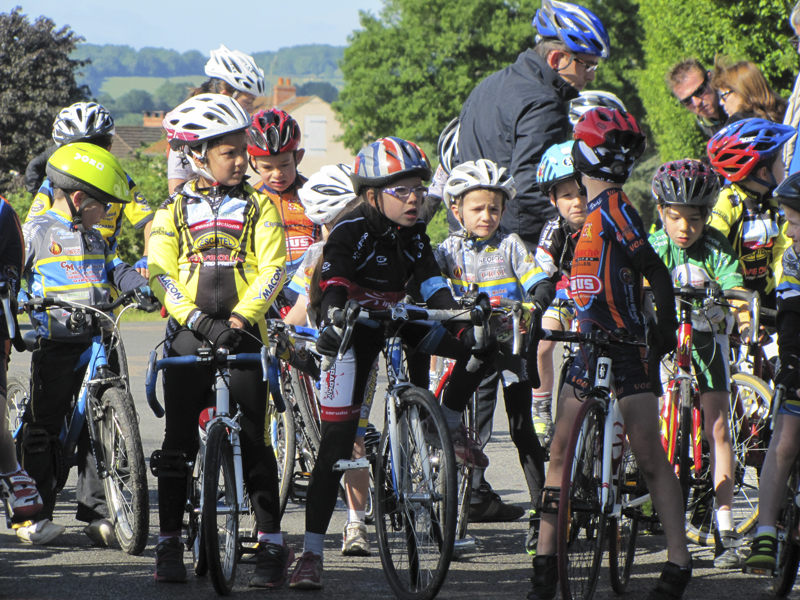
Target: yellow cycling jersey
{"points": [[757, 234], [138, 212], [219, 255]]}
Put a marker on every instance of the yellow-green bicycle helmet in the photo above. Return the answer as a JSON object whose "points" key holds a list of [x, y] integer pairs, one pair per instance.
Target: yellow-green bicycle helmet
{"points": [[91, 169]]}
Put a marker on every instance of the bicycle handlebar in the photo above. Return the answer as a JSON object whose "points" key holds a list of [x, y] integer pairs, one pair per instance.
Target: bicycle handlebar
{"points": [[51, 302], [751, 297]]}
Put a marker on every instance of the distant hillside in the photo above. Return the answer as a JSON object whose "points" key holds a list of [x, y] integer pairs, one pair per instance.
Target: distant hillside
{"points": [[308, 62]]}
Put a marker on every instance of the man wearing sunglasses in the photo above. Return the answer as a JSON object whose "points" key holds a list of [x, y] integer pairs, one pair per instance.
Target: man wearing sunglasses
{"points": [[690, 82]]}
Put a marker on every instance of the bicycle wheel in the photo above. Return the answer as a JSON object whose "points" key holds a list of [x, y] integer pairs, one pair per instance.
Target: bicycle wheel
{"points": [[126, 480], [415, 506], [788, 543], [623, 531], [306, 399], [18, 393], [282, 438], [192, 526], [220, 513], [748, 395], [581, 520]]}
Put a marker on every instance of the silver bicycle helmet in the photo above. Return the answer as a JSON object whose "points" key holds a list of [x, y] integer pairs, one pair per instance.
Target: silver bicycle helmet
{"points": [[326, 193], [589, 100], [480, 174], [237, 69], [448, 145], [81, 121]]}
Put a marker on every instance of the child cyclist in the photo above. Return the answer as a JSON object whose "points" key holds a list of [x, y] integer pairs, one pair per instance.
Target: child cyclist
{"points": [[611, 256], [697, 255], [91, 123], [65, 257], [783, 446], [273, 146], [748, 154], [484, 254], [324, 196], [24, 498], [217, 262], [559, 180], [370, 255]]}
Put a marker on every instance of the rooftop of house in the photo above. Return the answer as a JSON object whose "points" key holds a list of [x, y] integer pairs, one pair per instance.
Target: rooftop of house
{"points": [[128, 139]]}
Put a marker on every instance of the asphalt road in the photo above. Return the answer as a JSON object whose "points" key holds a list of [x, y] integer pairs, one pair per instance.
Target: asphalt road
{"points": [[73, 569]]}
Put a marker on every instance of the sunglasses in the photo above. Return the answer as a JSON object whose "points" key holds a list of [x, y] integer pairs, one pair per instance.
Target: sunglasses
{"points": [[588, 67], [701, 89], [402, 192], [723, 95]]}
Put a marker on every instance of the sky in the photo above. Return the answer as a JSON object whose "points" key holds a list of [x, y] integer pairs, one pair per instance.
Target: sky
{"points": [[204, 24]]}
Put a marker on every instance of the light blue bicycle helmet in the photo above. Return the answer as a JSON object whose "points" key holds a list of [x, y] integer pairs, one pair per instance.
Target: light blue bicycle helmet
{"points": [[577, 27], [555, 166]]}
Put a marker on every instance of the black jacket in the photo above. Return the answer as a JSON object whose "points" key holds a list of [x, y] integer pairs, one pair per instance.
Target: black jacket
{"points": [[35, 173], [369, 259], [511, 118]]}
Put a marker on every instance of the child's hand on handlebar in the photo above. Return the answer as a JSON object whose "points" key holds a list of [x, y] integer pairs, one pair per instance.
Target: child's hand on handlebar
{"points": [[329, 341]]}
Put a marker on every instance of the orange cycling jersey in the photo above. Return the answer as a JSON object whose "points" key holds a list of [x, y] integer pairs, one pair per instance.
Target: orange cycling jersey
{"points": [[299, 231], [604, 283]]}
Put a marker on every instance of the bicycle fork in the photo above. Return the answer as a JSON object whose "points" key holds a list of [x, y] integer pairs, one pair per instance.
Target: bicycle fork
{"points": [[223, 412]]}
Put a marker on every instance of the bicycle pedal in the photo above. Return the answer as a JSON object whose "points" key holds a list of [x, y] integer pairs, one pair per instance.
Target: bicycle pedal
{"points": [[349, 465], [760, 571], [299, 488]]}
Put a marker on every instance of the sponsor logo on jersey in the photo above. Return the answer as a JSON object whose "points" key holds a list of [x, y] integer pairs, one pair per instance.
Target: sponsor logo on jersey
{"points": [[586, 232], [382, 260], [161, 231], [300, 242], [37, 207], [272, 286], [326, 266], [273, 224], [139, 198], [490, 249], [173, 293], [457, 272], [488, 260], [55, 248], [218, 240], [626, 276], [10, 272], [494, 273], [528, 258], [585, 284]]}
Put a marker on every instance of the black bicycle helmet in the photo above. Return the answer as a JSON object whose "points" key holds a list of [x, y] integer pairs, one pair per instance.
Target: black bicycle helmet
{"points": [[686, 181], [788, 192]]}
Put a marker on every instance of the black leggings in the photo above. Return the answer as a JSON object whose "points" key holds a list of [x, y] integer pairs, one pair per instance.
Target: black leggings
{"points": [[341, 401], [187, 391]]}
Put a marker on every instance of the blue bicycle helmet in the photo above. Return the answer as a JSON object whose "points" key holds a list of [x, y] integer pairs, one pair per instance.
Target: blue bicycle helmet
{"points": [[738, 148], [555, 166], [577, 27]]}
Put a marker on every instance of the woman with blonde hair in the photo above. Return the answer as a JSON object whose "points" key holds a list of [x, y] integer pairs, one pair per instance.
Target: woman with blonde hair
{"points": [[745, 93]]}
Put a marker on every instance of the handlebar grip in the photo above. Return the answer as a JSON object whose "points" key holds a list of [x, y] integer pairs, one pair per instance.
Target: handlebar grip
{"points": [[275, 387], [152, 400]]}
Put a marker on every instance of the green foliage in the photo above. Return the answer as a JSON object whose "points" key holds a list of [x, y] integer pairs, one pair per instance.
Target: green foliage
{"points": [[639, 187], [308, 59], [438, 229], [755, 30], [118, 86], [323, 89], [37, 79]]}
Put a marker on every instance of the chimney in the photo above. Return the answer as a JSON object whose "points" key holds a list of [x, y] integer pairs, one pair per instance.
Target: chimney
{"points": [[153, 118], [281, 92]]}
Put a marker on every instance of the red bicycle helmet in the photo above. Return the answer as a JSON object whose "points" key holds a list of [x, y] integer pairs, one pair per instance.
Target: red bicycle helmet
{"points": [[273, 132], [608, 143], [738, 148], [687, 182]]}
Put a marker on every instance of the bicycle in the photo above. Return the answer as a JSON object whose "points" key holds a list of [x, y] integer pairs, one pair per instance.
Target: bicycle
{"points": [[415, 479], [682, 425], [216, 496], [104, 403], [601, 492]]}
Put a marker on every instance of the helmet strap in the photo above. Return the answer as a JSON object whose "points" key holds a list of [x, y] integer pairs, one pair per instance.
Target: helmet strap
{"points": [[202, 156]]}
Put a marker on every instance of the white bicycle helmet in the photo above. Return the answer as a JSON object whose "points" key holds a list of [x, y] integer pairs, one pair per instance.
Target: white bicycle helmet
{"points": [[237, 69], [80, 121], [448, 145], [591, 99], [482, 174], [201, 119], [326, 193]]}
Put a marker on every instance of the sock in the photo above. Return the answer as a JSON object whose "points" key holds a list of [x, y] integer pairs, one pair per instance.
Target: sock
{"points": [[270, 538], [314, 542], [541, 405], [15, 470], [165, 535], [356, 516], [452, 417], [764, 530], [724, 520]]}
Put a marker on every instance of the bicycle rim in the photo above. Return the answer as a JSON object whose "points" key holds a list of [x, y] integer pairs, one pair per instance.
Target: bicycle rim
{"points": [[415, 505], [788, 548], [18, 393], [283, 441], [192, 526], [623, 531], [581, 521], [126, 481], [220, 521], [751, 395]]}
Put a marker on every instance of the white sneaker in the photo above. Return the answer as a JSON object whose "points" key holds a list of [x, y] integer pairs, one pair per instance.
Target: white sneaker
{"points": [[355, 541], [40, 533], [101, 532]]}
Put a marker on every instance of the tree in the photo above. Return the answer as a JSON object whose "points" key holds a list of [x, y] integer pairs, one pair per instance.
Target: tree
{"points": [[37, 79], [323, 89], [755, 30]]}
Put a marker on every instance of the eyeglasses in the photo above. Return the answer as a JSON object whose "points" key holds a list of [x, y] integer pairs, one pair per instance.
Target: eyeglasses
{"points": [[723, 95], [588, 67], [701, 89], [402, 192]]}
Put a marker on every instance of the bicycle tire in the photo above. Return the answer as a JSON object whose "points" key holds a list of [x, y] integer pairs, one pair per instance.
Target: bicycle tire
{"points": [[192, 526], [284, 444], [18, 395], [579, 508], [416, 523], [220, 513], [126, 483], [747, 390], [788, 558], [623, 531]]}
